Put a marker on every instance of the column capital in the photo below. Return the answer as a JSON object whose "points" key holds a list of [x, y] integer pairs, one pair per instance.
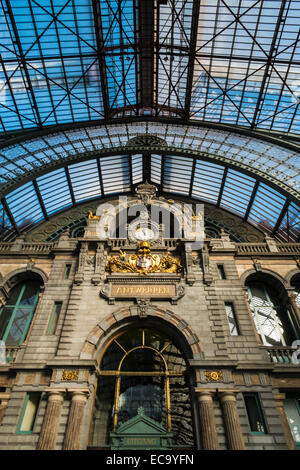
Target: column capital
{"points": [[78, 392], [205, 391], [55, 391], [228, 392]]}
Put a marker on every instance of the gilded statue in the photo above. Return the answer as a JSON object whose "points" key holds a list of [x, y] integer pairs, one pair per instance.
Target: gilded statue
{"points": [[143, 262], [170, 264], [93, 217]]}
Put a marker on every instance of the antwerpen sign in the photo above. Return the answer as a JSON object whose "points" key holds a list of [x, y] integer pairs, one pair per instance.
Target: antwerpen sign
{"points": [[143, 290]]}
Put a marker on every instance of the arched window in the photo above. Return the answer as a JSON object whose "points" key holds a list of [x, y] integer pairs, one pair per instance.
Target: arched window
{"points": [[16, 315], [272, 320], [295, 282], [142, 369]]}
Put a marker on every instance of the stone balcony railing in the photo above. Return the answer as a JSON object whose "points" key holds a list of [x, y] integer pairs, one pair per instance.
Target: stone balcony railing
{"points": [[269, 247], [250, 248], [265, 248], [26, 247], [280, 354], [8, 354]]}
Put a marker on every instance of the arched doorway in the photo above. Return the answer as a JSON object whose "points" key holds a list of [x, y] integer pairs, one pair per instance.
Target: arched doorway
{"points": [[143, 396]]}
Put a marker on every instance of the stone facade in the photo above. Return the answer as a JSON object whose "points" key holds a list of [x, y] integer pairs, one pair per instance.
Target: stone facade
{"points": [[63, 367]]}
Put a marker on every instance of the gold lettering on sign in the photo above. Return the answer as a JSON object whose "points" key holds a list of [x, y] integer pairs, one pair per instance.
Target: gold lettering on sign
{"points": [[141, 441], [145, 290]]}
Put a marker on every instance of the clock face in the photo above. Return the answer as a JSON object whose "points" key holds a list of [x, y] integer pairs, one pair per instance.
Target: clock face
{"points": [[144, 233]]}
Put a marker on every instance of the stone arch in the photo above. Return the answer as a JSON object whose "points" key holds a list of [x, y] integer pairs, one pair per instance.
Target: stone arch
{"points": [[290, 275], [269, 277], [103, 331], [268, 272], [12, 278]]}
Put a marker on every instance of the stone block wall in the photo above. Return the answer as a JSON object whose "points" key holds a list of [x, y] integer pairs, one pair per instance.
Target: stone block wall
{"points": [[201, 312]]}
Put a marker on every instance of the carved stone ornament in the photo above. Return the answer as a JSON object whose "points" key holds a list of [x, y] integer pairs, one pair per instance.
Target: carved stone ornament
{"points": [[146, 192], [70, 375], [30, 264], [142, 307], [214, 375]]}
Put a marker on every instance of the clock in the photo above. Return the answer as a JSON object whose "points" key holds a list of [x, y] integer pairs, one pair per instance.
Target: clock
{"points": [[144, 233], [139, 232]]}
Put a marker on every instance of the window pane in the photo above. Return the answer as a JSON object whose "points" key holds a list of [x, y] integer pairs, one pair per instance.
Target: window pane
{"points": [[30, 293], [143, 360], [145, 392], [231, 319], [254, 414], [292, 410], [268, 316], [297, 292], [14, 294], [31, 406], [67, 271], [19, 325], [221, 271], [54, 318], [5, 315]]}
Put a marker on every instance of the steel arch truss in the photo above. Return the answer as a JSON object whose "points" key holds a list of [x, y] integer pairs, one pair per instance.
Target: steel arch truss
{"points": [[222, 61], [92, 171]]}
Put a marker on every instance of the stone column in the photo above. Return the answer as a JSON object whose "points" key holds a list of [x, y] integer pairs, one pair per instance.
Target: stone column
{"points": [[279, 399], [293, 309], [47, 439], [207, 419], [4, 397], [73, 431], [231, 419]]}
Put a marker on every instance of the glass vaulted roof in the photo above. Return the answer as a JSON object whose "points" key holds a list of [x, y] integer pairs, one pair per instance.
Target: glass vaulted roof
{"points": [[217, 82], [226, 61]]}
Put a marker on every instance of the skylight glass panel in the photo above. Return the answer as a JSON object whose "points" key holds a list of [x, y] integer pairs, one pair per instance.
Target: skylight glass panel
{"points": [[115, 174], [266, 207], [207, 181], [156, 168], [5, 225], [137, 168], [55, 191], [174, 28], [237, 192], [49, 72], [24, 206], [85, 180], [177, 173], [289, 229], [234, 80], [118, 25]]}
